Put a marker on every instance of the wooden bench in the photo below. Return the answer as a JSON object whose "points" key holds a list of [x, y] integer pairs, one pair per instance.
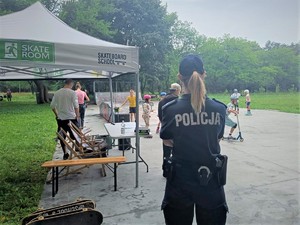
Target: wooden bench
{"points": [[77, 162]]}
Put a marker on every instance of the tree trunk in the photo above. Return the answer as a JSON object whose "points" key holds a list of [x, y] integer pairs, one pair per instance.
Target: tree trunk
{"points": [[42, 92]]}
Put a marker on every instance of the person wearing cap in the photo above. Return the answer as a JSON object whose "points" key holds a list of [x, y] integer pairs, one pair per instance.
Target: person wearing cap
{"points": [[248, 102], [175, 90], [65, 106], [231, 108], [132, 104], [193, 125], [162, 95], [237, 95], [146, 110]]}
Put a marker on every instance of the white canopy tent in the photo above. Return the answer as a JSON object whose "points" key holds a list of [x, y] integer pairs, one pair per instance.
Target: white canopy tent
{"points": [[35, 44]]}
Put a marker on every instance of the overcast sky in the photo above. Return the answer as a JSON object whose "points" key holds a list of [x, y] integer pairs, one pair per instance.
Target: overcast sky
{"points": [[257, 20]]}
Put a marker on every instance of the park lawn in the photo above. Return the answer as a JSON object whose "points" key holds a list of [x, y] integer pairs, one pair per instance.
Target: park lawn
{"points": [[27, 140], [283, 102]]}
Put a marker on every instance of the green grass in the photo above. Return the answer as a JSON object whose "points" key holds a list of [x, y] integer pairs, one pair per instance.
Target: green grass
{"points": [[26, 137], [284, 102]]}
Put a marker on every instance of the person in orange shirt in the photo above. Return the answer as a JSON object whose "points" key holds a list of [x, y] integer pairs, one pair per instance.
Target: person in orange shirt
{"points": [[132, 105]]}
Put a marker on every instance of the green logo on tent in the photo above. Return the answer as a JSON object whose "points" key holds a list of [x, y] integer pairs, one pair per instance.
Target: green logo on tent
{"points": [[27, 50]]}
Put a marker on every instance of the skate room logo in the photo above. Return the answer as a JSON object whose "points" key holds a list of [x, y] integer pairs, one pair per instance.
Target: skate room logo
{"points": [[11, 50], [27, 51]]}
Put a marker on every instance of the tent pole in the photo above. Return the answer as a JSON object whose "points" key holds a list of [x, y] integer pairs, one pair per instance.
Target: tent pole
{"points": [[137, 136], [111, 98]]}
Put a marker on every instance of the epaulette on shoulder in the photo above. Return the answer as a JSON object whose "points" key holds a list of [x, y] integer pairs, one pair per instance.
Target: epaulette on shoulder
{"points": [[169, 103], [219, 102]]}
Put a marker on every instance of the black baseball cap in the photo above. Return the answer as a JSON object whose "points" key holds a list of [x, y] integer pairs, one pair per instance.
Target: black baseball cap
{"points": [[190, 64]]}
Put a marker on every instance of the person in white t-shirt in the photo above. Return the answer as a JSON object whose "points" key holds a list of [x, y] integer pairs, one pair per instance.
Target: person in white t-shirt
{"points": [[236, 95], [66, 108], [231, 109]]}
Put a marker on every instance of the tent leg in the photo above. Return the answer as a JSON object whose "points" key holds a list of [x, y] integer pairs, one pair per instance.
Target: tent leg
{"points": [[111, 99], [137, 137]]}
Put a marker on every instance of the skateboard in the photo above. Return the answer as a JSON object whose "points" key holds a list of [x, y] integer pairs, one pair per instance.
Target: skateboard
{"points": [[81, 217], [59, 210]]}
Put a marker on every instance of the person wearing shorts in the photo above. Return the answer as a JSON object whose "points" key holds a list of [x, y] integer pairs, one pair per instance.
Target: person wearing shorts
{"points": [[132, 105], [236, 94], [231, 109], [248, 102]]}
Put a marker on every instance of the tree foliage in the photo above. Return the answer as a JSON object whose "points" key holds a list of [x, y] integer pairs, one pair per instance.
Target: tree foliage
{"points": [[89, 16], [238, 63], [149, 30]]}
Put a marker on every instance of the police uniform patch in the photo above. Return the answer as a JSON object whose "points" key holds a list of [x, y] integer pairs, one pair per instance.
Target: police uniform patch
{"points": [[169, 104], [202, 118]]}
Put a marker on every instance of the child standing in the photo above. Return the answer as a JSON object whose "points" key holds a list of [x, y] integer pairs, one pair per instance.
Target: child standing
{"points": [[228, 121], [132, 105], [236, 95], [248, 102], [146, 110]]}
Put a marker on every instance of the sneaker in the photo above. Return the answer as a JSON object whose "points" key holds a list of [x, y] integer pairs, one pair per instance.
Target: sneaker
{"points": [[66, 156]]}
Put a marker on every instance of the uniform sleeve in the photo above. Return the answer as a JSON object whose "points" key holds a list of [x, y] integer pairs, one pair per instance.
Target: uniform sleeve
{"points": [[222, 123], [159, 109], [75, 100], [167, 124], [53, 102]]}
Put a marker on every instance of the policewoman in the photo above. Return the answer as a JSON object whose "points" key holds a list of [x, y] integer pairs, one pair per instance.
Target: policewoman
{"points": [[193, 126]]}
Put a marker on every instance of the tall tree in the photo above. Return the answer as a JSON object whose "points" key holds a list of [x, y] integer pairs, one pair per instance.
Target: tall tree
{"points": [[284, 62], [184, 39], [145, 24]]}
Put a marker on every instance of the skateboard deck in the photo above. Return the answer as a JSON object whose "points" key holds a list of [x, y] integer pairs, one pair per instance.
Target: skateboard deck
{"points": [[63, 209], [80, 217]]}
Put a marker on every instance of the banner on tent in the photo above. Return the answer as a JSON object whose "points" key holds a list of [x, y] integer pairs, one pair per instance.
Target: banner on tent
{"points": [[112, 58], [27, 51]]}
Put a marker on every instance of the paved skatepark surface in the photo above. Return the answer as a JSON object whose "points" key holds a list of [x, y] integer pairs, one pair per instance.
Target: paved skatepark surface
{"points": [[262, 184]]}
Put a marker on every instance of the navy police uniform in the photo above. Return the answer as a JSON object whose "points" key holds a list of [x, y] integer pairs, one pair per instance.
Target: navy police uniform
{"points": [[193, 178], [167, 150]]}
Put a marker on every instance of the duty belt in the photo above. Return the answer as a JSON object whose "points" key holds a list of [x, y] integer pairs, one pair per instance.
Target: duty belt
{"points": [[204, 173]]}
